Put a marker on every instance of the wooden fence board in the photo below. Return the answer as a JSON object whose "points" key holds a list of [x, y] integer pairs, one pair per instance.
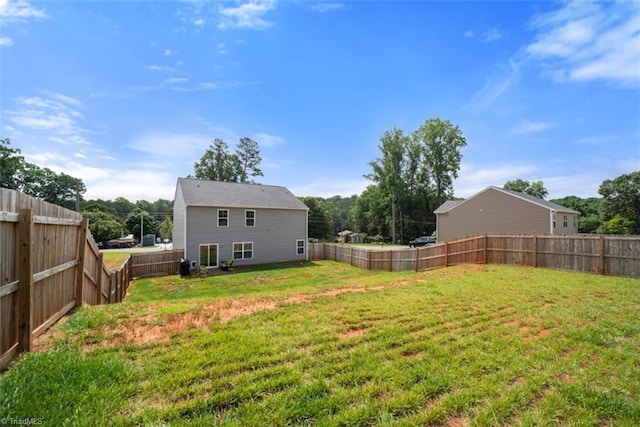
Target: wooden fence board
{"points": [[612, 255]]}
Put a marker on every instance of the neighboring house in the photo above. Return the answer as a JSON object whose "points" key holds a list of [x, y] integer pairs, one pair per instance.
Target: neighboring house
{"points": [[348, 236], [498, 211], [250, 223]]}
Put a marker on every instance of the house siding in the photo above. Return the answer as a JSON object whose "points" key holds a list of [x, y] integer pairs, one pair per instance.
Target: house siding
{"points": [[274, 235], [179, 219], [495, 212]]}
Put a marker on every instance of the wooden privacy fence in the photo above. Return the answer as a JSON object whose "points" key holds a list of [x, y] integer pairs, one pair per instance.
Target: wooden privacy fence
{"points": [[49, 264], [611, 255]]}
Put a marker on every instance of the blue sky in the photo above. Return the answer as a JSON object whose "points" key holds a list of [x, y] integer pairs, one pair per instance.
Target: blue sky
{"points": [[128, 95]]}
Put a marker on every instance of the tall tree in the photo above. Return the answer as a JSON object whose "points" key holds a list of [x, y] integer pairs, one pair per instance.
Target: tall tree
{"points": [[319, 220], [622, 198], [17, 174], [103, 225], [533, 188], [388, 171], [12, 165], [218, 164], [371, 212], [133, 223], [442, 144], [249, 154]]}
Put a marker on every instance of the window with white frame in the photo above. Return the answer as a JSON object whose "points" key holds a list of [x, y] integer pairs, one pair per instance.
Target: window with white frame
{"points": [[243, 250], [300, 247], [223, 217], [249, 218], [554, 220], [209, 255]]}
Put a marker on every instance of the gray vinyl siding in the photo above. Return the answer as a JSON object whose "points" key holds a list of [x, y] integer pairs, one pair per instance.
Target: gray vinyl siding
{"points": [[178, 220], [494, 212], [274, 235]]}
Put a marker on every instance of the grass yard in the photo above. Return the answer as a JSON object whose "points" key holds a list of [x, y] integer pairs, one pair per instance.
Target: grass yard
{"points": [[327, 344], [114, 259]]}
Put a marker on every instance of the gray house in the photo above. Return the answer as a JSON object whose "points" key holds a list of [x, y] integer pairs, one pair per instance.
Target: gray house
{"points": [[214, 221], [498, 211]]}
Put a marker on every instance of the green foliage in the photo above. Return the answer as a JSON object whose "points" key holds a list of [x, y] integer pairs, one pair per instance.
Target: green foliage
{"points": [[341, 212], [132, 222], [371, 212], [319, 219], [166, 228], [17, 174], [616, 225], [415, 172], [622, 198], [12, 166], [249, 154], [533, 188], [218, 164], [104, 226]]}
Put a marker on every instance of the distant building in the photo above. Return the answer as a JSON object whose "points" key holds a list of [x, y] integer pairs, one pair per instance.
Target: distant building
{"points": [[249, 223], [498, 211]]}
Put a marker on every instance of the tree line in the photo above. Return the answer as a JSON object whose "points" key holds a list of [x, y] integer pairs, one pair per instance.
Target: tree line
{"points": [[412, 176]]}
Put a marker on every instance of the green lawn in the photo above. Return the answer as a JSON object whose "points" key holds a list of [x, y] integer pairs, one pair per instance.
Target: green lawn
{"points": [[114, 259], [327, 344]]}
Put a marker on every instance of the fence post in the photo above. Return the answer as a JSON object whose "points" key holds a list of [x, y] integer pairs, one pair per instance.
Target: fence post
{"points": [[601, 266], [99, 266], [534, 260], [24, 266], [484, 250], [416, 258], [82, 242], [446, 254], [391, 260]]}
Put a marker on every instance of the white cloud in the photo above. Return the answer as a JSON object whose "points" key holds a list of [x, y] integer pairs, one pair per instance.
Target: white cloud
{"points": [[329, 187], [169, 52], [268, 141], [590, 41], [327, 7], [19, 10], [198, 22], [527, 127], [495, 87], [469, 34], [54, 114], [492, 34], [175, 80], [222, 49], [472, 179], [6, 41], [162, 146], [246, 16], [161, 68]]}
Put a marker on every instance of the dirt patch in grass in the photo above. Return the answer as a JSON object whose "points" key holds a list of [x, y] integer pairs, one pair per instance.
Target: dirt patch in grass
{"points": [[352, 333]]}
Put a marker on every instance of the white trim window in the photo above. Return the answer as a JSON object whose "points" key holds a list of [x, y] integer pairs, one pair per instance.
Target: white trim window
{"points": [[223, 217], [300, 247], [565, 221], [249, 218], [208, 255], [242, 250]]}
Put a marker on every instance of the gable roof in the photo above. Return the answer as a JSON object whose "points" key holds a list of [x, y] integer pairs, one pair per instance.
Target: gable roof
{"points": [[199, 192], [451, 204]]}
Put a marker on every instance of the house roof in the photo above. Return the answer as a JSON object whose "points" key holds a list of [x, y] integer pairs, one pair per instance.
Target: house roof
{"points": [[451, 204], [199, 192]]}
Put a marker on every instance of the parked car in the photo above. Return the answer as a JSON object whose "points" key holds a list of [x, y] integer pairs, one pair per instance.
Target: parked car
{"points": [[422, 241]]}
